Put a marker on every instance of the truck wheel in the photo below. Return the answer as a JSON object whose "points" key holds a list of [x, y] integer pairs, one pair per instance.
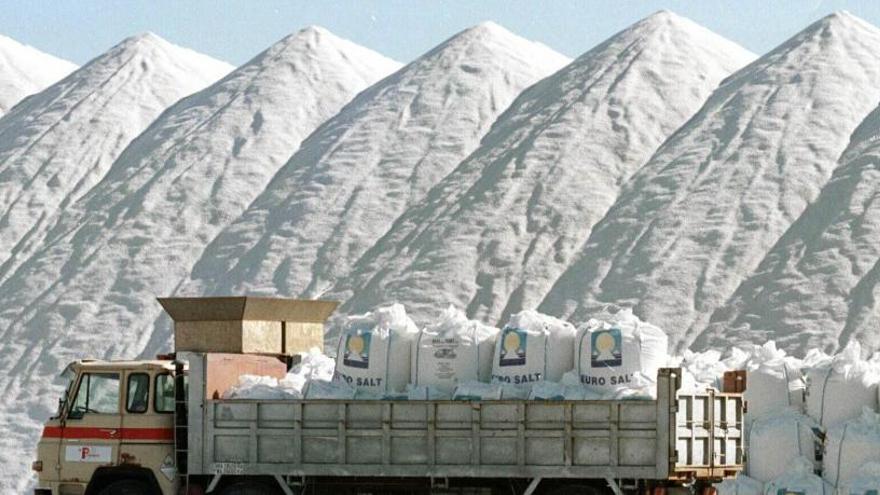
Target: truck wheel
{"points": [[249, 488], [125, 487]]}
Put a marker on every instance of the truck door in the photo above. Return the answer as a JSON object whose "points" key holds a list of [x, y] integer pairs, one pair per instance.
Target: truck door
{"points": [[92, 430], [148, 429]]}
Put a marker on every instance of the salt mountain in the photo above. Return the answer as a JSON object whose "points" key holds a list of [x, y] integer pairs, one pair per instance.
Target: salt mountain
{"points": [[24, 70], [818, 287], [57, 144], [495, 234], [701, 214], [137, 233], [363, 168]]}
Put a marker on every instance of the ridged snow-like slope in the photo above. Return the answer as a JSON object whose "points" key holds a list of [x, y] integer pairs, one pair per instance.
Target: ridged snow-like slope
{"points": [[57, 144], [497, 232], [136, 234], [364, 167], [24, 70], [703, 212], [819, 286]]}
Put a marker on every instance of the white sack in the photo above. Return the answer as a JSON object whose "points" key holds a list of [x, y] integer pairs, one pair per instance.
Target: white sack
{"points": [[261, 387], [453, 349], [319, 389], [774, 381], [866, 479], [556, 391], [373, 352], [314, 365], [612, 349], [477, 391], [850, 445], [532, 348], [799, 478], [490, 391], [774, 441], [741, 485], [514, 392], [421, 392], [839, 389], [701, 370]]}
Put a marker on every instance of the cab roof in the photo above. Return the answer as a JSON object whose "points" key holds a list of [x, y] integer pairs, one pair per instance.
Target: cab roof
{"points": [[103, 365]]}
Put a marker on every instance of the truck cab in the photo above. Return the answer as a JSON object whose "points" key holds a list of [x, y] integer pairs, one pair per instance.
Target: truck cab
{"points": [[113, 432]]}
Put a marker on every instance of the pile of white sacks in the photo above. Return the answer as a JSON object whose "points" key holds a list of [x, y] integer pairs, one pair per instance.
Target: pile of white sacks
{"points": [[812, 425], [384, 354]]}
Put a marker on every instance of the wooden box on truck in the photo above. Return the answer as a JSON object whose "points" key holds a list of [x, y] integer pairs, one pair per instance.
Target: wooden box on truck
{"points": [[247, 325]]}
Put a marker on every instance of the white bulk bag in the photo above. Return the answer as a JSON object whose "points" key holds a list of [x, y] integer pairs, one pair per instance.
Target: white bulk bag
{"points": [[701, 370], [556, 391], [838, 390], [799, 478], [532, 348], [477, 391], [865, 482], [320, 389], [851, 444], [373, 353], [612, 349], [453, 349], [775, 440], [261, 387], [774, 381], [741, 485], [422, 392], [314, 365]]}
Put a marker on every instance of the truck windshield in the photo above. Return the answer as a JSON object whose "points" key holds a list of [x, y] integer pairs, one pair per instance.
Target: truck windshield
{"points": [[69, 377]]}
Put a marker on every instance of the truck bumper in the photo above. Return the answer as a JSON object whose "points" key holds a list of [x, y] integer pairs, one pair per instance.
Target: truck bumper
{"points": [[57, 488]]}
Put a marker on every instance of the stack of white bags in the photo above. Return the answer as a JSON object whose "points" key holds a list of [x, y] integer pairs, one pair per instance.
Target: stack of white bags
{"points": [[812, 425]]}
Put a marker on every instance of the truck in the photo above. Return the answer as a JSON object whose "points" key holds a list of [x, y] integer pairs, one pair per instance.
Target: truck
{"points": [[163, 426]]}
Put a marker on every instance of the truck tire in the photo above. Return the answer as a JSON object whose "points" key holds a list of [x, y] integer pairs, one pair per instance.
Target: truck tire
{"points": [[249, 488], [125, 487]]}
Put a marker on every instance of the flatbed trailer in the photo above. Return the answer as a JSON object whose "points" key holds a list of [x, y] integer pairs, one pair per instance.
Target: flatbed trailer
{"points": [[615, 446]]}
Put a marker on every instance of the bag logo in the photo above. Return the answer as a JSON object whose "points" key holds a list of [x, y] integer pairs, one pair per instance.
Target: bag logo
{"points": [[513, 347], [606, 348], [357, 349], [445, 353]]}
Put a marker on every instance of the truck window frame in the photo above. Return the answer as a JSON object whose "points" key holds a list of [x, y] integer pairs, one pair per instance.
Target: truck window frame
{"points": [[146, 403], [157, 395], [85, 377]]}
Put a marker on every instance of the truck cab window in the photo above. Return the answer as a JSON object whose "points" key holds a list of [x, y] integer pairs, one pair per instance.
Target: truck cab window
{"points": [[68, 376], [164, 393], [138, 395], [98, 394]]}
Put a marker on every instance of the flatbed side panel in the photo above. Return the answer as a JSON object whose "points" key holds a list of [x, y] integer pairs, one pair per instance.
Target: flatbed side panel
{"points": [[425, 438], [679, 436]]}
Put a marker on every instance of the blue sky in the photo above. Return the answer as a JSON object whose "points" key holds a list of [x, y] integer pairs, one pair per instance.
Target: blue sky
{"points": [[235, 31]]}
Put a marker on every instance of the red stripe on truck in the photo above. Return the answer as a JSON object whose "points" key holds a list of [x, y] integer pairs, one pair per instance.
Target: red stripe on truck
{"points": [[91, 433]]}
